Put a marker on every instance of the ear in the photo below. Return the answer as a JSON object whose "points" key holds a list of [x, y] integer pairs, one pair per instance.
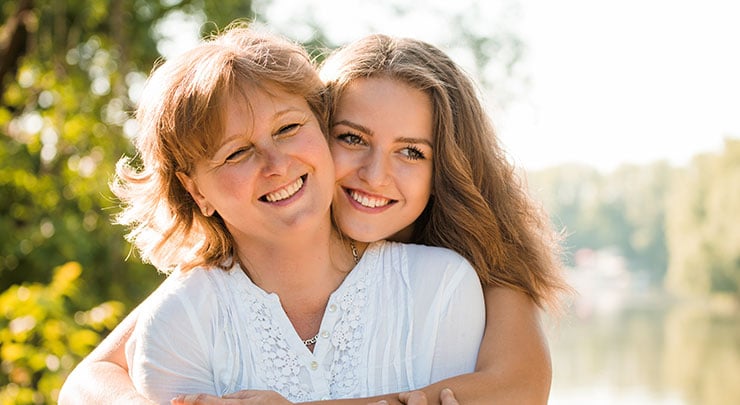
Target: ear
{"points": [[192, 187]]}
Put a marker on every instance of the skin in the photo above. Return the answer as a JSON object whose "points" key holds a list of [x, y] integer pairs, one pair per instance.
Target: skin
{"points": [[375, 160], [381, 142]]}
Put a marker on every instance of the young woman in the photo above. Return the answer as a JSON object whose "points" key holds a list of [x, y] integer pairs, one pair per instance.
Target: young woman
{"points": [[406, 119], [392, 153]]}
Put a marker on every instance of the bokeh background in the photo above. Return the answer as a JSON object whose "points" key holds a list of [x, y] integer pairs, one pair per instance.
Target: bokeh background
{"points": [[623, 116]]}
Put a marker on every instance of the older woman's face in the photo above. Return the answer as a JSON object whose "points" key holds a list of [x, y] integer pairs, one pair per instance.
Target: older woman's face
{"points": [[381, 141], [272, 174]]}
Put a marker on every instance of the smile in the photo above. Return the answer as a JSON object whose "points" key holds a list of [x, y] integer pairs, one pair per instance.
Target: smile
{"points": [[285, 192], [369, 201]]}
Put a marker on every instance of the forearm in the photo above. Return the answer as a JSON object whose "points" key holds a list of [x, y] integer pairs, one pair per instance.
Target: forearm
{"points": [[391, 399], [100, 382], [514, 365], [102, 377]]}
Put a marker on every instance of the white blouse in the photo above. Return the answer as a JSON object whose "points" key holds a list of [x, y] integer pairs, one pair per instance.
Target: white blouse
{"points": [[406, 316]]}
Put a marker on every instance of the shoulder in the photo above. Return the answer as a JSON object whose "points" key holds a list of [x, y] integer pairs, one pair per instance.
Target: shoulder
{"points": [[426, 254], [191, 294], [428, 266]]}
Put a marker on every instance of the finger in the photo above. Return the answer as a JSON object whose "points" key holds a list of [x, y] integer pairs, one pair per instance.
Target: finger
{"points": [[381, 402], [413, 398], [447, 397], [195, 399]]}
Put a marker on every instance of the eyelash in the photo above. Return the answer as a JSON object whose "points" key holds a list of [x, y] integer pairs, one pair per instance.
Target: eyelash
{"points": [[285, 130], [416, 153], [350, 138], [235, 156]]}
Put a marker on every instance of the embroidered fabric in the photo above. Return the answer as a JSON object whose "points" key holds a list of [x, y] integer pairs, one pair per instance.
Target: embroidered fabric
{"points": [[280, 368], [346, 340]]}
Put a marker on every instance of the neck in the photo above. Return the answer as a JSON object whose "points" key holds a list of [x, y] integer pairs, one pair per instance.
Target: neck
{"points": [[301, 268]]}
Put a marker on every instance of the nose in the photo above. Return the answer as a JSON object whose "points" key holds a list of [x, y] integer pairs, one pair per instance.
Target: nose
{"points": [[275, 162], [375, 169]]}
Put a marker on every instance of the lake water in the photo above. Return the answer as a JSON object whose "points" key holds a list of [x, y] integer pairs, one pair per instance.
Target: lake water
{"points": [[648, 352]]}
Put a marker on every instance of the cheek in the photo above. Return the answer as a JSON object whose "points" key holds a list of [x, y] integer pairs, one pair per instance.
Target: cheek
{"points": [[343, 162], [420, 183], [236, 178]]}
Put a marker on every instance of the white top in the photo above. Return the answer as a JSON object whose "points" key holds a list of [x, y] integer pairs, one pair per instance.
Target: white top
{"points": [[405, 317]]}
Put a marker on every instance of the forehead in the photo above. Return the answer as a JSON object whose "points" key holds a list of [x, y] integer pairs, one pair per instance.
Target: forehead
{"points": [[386, 104], [250, 106]]}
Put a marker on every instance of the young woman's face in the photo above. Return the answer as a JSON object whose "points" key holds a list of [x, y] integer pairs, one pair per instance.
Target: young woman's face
{"points": [[272, 173], [381, 141]]}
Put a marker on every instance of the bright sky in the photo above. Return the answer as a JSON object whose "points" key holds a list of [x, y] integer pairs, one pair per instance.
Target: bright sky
{"points": [[611, 82], [627, 81]]}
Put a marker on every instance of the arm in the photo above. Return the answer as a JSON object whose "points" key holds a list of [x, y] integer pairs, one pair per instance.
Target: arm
{"points": [[513, 365], [102, 377]]}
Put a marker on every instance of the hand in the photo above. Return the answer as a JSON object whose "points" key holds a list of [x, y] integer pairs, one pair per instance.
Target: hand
{"points": [[244, 397]]}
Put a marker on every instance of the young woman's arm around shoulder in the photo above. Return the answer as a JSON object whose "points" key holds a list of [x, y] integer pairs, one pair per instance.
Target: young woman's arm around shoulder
{"points": [[102, 377]]}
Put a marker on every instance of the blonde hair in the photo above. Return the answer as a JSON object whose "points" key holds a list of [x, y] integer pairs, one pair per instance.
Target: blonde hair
{"points": [[181, 118], [479, 207]]}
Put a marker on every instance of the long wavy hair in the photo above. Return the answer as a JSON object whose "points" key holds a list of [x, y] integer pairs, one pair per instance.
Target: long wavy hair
{"points": [[181, 120], [480, 208]]}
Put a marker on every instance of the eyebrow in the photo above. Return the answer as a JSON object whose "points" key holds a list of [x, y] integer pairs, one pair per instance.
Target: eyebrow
{"points": [[368, 131], [278, 115], [354, 125]]}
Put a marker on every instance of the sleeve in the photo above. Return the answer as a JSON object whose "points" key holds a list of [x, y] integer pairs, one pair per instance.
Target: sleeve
{"points": [[169, 351], [461, 325]]}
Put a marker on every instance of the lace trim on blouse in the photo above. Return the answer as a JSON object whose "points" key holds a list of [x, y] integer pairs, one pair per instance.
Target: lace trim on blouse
{"points": [[278, 363], [279, 366], [346, 339]]}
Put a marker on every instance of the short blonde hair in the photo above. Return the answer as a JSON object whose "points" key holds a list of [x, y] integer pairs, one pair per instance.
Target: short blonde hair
{"points": [[181, 119], [479, 207]]}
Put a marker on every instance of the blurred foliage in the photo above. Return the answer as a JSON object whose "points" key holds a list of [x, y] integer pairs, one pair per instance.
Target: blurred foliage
{"points": [[703, 218], [623, 210], [45, 332], [69, 75], [677, 225]]}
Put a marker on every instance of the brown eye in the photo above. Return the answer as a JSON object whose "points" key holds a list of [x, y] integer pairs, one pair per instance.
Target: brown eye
{"points": [[350, 139], [413, 153]]}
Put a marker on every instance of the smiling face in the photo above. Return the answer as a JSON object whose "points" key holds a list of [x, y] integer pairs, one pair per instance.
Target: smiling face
{"points": [[381, 140], [271, 174]]}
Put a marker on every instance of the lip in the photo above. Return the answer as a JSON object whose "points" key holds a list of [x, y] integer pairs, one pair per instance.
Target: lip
{"points": [[360, 207], [290, 199]]}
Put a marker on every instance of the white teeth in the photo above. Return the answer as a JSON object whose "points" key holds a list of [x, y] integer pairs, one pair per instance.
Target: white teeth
{"points": [[286, 192], [370, 202]]}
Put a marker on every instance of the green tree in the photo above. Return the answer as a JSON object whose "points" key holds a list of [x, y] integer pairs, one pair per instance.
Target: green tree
{"points": [[702, 232], [623, 210], [70, 73], [45, 331]]}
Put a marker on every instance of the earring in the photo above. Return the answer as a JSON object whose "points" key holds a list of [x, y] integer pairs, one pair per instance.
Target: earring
{"points": [[206, 211]]}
